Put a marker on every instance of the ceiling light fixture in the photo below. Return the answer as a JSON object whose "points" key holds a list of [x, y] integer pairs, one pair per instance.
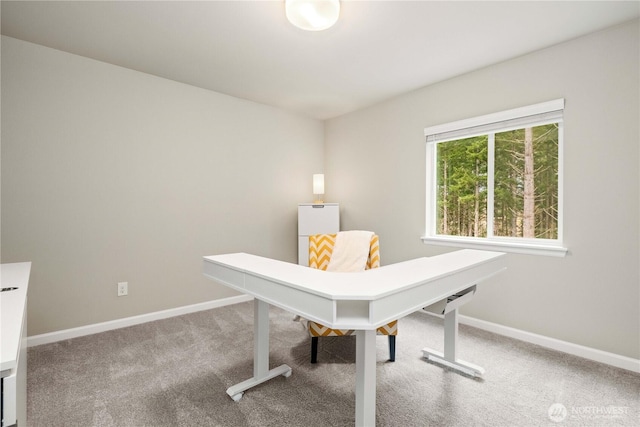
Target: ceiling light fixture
{"points": [[312, 15]]}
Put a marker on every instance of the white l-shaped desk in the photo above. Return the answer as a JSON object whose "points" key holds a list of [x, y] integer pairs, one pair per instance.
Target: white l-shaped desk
{"points": [[362, 301]]}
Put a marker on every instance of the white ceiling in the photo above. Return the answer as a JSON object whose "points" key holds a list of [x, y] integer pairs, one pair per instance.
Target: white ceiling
{"points": [[247, 49]]}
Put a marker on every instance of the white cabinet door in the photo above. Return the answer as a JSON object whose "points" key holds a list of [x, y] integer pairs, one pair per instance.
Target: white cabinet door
{"points": [[315, 219], [303, 250], [318, 219]]}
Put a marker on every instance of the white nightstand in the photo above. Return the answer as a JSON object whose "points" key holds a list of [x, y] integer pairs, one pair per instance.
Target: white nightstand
{"points": [[315, 218]]}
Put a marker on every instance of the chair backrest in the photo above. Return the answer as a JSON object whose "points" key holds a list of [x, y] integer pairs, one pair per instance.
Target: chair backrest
{"points": [[321, 248]]}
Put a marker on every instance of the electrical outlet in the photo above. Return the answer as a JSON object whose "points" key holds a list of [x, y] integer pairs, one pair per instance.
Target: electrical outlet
{"points": [[123, 289]]}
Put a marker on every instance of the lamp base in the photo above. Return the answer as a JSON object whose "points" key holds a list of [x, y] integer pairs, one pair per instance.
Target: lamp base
{"points": [[318, 202]]}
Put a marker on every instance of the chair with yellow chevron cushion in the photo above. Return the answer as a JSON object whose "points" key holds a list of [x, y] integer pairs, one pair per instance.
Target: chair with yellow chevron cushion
{"points": [[320, 250]]}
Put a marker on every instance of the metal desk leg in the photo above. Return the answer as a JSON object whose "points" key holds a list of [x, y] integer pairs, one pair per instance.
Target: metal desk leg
{"points": [[261, 372], [366, 378], [450, 342]]}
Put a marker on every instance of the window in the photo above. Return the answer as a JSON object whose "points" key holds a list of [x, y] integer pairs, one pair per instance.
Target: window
{"points": [[495, 181]]}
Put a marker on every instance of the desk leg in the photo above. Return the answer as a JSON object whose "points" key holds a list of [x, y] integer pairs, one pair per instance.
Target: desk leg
{"points": [[366, 378], [261, 372], [449, 358]]}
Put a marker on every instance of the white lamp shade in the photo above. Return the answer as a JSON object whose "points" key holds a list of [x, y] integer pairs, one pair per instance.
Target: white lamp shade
{"points": [[312, 15], [318, 183]]}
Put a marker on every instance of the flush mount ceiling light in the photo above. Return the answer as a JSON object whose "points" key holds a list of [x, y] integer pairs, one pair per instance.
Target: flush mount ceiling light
{"points": [[312, 15]]}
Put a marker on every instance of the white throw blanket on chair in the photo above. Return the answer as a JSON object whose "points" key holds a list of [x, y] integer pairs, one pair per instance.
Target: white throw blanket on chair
{"points": [[351, 251]]}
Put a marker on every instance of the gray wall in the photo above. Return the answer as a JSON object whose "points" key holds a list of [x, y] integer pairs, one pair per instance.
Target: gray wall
{"points": [[375, 162], [113, 175]]}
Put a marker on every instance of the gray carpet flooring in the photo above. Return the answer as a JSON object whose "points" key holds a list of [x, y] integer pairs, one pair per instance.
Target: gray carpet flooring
{"points": [[175, 372]]}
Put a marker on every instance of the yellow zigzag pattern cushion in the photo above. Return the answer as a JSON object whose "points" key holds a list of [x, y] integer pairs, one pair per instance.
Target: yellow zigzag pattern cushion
{"points": [[320, 250], [318, 330]]}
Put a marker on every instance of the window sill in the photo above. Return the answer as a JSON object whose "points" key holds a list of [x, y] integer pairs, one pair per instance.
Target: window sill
{"points": [[492, 245]]}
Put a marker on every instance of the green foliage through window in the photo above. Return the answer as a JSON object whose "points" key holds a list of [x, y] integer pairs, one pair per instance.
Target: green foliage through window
{"points": [[515, 170]]}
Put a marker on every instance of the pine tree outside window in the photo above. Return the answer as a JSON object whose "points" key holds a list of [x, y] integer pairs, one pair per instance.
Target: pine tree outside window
{"points": [[495, 181]]}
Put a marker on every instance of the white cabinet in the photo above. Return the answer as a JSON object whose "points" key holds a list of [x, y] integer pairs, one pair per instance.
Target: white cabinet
{"points": [[13, 342], [315, 219]]}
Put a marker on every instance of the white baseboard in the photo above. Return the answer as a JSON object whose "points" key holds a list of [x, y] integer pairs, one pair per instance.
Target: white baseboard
{"points": [[131, 321], [574, 349], [541, 340]]}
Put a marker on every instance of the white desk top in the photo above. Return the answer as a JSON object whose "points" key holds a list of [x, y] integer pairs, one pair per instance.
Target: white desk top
{"points": [[366, 285], [12, 307], [361, 300]]}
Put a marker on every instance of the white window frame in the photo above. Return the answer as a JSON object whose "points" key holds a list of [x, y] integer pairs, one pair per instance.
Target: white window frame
{"points": [[518, 118]]}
